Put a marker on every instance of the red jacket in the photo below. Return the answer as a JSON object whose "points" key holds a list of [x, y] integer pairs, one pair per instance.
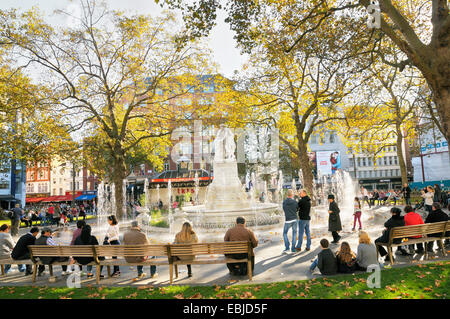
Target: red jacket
{"points": [[413, 218]]}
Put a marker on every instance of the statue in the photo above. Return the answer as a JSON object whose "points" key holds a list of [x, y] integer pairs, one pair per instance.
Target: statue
{"points": [[224, 145]]}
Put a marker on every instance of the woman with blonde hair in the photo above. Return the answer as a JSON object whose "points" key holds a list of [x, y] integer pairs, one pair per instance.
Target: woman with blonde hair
{"points": [[429, 197], [346, 259], [367, 252], [186, 236]]}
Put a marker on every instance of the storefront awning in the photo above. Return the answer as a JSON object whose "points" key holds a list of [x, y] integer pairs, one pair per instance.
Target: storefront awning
{"points": [[86, 197], [34, 200], [63, 198]]}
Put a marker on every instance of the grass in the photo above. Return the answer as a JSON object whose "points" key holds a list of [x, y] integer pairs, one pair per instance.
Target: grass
{"points": [[416, 282]]}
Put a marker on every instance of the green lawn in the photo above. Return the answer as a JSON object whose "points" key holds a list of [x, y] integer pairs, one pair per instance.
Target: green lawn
{"points": [[415, 282]]}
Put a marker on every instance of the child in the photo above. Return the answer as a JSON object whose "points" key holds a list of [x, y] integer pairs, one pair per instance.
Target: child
{"points": [[326, 260], [357, 213]]}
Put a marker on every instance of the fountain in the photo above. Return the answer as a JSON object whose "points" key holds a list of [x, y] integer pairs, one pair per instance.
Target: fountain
{"points": [[225, 198]]}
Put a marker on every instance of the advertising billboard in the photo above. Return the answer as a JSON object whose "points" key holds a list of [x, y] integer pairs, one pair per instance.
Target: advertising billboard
{"points": [[328, 162]]}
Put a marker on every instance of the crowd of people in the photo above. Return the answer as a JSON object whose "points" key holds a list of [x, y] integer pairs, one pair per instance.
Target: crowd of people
{"points": [[429, 195], [52, 214], [297, 220]]}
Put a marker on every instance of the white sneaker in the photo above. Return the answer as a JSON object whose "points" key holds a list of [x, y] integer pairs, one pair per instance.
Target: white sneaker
{"points": [[286, 251], [64, 273]]}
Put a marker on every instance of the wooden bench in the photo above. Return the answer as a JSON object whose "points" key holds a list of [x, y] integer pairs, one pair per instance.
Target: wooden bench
{"points": [[10, 261], [203, 254], [122, 251], [416, 230], [37, 251]]}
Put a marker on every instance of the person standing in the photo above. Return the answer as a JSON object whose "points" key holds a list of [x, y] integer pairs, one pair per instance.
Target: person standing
{"points": [[357, 213], [406, 191], [112, 238], [290, 207], [365, 195], [304, 209], [437, 194], [136, 237], [428, 197], [240, 233], [6, 247], [186, 236], [21, 252], [15, 219], [334, 220]]}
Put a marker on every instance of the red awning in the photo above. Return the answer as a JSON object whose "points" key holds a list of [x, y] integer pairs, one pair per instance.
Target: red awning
{"points": [[50, 199], [65, 198], [34, 200]]}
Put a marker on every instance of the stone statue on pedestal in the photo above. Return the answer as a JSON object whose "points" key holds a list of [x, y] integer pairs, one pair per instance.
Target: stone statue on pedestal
{"points": [[224, 145]]}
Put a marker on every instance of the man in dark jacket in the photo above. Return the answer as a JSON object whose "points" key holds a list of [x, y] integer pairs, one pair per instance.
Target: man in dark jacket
{"points": [[395, 221], [406, 191], [326, 260], [16, 217], [21, 252], [290, 207], [46, 239], [334, 220], [436, 215], [304, 208]]}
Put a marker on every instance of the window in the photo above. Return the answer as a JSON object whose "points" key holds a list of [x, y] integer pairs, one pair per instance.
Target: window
{"points": [[395, 160], [390, 160], [332, 138], [78, 185], [60, 191], [385, 161], [4, 184], [54, 191]]}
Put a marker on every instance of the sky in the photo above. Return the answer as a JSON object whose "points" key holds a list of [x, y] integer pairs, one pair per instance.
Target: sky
{"points": [[221, 41]]}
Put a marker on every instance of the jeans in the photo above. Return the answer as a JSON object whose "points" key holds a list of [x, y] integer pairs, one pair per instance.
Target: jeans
{"points": [[407, 200], [141, 268], [357, 218], [429, 208], [303, 225], [314, 264], [293, 225]]}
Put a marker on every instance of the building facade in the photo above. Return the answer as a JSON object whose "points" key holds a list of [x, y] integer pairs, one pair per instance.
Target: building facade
{"points": [[12, 184]]}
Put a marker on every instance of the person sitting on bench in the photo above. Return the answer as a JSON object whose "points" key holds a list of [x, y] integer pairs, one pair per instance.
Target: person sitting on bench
{"points": [[240, 233]]}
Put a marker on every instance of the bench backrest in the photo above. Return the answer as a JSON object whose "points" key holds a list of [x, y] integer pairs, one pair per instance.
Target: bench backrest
{"points": [[231, 247], [60, 251], [131, 250], [417, 230]]}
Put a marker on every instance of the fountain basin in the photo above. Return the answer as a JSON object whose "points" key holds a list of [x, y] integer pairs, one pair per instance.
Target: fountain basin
{"points": [[261, 214]]}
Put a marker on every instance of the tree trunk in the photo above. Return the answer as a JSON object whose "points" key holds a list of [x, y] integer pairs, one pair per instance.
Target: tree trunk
{"points": [[118, 175], [401, 158], [306, 170], [442, 100]]}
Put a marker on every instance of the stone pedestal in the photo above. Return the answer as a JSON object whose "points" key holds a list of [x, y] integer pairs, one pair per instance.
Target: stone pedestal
{"points": [[225, 192]]}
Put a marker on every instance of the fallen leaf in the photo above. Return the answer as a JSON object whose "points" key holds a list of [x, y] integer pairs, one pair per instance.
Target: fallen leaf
{"points": [[368, 292], [179, 296], [282, 292], [428, 289], [196, 296]]}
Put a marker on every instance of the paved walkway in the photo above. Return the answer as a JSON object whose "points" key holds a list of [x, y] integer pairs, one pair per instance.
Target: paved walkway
{"points": [[270, 264]]}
